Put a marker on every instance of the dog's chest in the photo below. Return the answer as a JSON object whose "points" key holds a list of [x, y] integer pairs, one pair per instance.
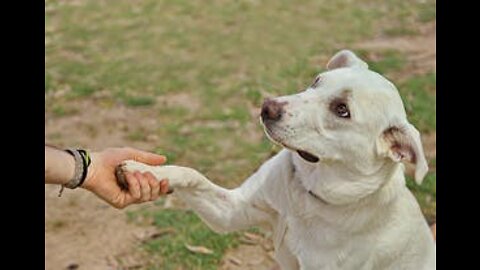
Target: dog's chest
{"points": [[321, 246], [319, 235], [315, 234]]}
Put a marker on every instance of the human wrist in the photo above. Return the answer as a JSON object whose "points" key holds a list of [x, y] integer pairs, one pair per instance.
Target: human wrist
{"points": [[59, 166], [82, 162], [89, 182]]}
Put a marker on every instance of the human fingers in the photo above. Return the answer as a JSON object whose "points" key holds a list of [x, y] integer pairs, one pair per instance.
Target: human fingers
{"points": [[133, 185], [164, 186], [154, 185], [145, 157], [145, 189]]}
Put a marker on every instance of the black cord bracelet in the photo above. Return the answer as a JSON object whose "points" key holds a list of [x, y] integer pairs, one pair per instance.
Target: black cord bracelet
{"points": [[86, 163], [82, 162]]}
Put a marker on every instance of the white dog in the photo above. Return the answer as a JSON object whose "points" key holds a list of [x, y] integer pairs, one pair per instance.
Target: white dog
{"points": [[335, 197]]}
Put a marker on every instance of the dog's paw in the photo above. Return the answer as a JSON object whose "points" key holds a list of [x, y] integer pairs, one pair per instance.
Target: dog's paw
{"points": [[132, 165], [128, 166], [178, 177]]}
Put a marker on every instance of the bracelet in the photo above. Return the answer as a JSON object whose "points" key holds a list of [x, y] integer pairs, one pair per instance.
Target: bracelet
{"points": [[82, 162]]}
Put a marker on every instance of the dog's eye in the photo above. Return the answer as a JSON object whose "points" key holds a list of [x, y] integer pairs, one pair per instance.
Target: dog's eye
{"points": [[341, 110]]}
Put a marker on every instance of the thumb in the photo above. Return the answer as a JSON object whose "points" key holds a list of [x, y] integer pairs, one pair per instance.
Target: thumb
{"points": [[147, 157]]}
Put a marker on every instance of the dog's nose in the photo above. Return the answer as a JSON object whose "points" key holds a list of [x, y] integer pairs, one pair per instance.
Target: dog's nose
{"points": [[272, 110]]}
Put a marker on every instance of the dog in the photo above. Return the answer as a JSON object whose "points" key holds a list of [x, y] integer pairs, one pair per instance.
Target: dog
{"points": [[335, 196]]}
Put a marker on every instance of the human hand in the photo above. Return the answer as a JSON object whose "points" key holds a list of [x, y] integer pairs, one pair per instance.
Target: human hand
{"points": [[101, 178]]}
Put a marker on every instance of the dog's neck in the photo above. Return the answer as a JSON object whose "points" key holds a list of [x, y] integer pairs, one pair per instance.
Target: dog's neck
{"points": [[336, 184]]}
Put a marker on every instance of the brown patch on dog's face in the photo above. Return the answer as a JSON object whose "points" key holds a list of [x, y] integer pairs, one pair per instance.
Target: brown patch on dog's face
{"points": [[339, 107]]}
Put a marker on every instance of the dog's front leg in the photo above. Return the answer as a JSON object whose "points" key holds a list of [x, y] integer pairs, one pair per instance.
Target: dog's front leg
{"points": [[222, 209]]}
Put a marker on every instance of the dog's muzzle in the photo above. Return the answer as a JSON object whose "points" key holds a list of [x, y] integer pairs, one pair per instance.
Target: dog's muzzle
{"points": [[272, 112]]}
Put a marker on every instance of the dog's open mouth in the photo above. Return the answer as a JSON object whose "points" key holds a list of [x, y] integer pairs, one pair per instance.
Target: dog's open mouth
{"points": [[304, 154], [307, 156]]}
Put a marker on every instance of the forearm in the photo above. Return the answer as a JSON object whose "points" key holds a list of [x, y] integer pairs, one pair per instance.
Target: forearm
{"points": [[59, 166]]}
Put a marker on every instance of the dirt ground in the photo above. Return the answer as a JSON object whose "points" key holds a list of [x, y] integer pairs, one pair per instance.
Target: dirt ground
{"points": [[82, 232]]}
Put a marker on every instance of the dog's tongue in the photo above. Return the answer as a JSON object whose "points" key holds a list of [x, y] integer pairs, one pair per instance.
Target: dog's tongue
{"points": [[307, 156]]}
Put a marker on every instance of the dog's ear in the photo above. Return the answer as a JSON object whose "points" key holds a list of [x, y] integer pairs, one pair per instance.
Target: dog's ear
{"points": [[403, 143], [345, 58]]}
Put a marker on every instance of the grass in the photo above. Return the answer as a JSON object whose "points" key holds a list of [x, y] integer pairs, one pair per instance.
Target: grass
{"points": [[137, 135], [420, 100], [426, 194], [225, 58], [181, 228], [59, 111], [384, 62], [139, 101], [427, 13], [191, 230], [48, 83], [82, 90], [397, 31], [178, 228]]}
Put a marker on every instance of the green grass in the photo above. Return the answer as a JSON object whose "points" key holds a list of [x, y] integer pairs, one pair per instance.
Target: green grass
{"points": [[224, 58], [172, 156], [48, 83], [418, 93], [207, 48], [433, 162], [254, 96], [178, 228], [139, 101], [427, 13], [238, 113], [82, 90], [137, 135], [184, 227], [59, 110], [389, 60], [396, 31], [426, 194]]}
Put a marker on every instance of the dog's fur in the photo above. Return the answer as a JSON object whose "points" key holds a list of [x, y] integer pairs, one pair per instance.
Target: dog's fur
{"points": [[335, 197]]}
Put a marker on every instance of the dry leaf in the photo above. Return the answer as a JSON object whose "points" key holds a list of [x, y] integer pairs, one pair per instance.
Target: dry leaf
{"points": [[162, 232], [247, 241], [235, 260], [253, 236], [199, 249]]}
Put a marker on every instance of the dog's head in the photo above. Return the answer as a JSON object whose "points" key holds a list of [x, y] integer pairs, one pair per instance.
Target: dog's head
{"points": [[350, 115]]}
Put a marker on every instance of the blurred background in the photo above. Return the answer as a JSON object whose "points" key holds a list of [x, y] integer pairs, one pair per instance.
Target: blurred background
{"points": [[186, 79]]}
